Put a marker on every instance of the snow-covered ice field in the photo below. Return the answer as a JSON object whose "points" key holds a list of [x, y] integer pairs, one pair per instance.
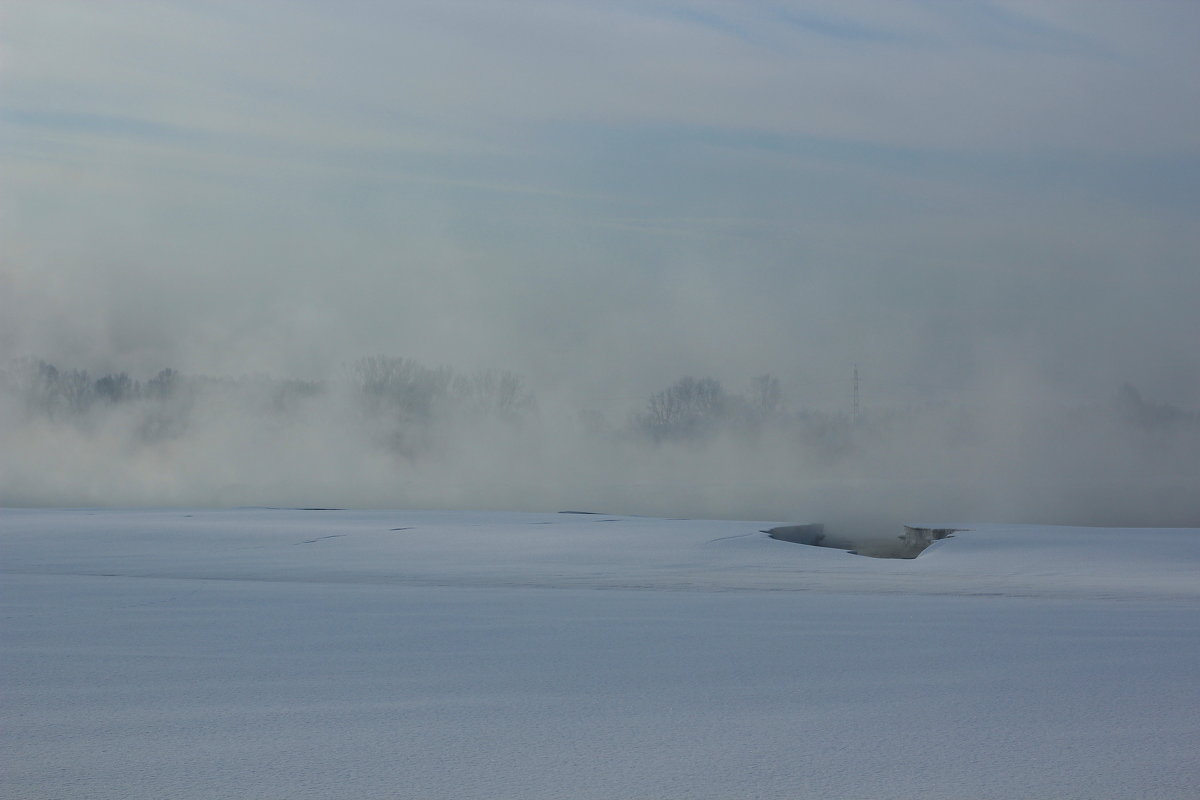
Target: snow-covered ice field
{"points": [[267, 653]]}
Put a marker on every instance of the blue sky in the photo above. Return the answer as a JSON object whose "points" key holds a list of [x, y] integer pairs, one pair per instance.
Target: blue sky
{"points": [[607, 195]]}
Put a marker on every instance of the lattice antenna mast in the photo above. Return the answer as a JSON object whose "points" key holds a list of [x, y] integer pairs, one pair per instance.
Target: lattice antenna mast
{"points": [[854, 402]]}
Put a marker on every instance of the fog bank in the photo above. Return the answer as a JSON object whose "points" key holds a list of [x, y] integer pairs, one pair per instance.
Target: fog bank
{"points": [[391, 432], [987, 208]]}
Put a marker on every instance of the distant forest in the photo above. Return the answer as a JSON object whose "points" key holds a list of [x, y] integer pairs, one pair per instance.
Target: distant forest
{"points": [[406, 407]]}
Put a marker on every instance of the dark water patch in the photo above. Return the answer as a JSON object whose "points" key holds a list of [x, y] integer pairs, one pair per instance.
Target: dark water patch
{"points": [[909, 544]]}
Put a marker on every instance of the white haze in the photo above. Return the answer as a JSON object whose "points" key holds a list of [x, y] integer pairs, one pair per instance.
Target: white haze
{"points": [[987, 207]]}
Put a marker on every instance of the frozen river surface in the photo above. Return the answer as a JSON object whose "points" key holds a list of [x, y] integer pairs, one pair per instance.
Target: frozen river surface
{"points": [[272, 653]]}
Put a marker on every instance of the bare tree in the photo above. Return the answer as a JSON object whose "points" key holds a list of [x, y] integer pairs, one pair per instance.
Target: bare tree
{"points": [[401, 386], [765, 395], [115, 388], [687, 408], [495, 393]]}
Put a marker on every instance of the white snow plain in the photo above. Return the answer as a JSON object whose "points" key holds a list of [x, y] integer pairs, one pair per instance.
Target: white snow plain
{"points": [[273, 653]]}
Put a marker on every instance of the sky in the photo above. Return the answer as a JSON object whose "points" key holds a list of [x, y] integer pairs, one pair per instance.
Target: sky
{"points": [[605, 196]]}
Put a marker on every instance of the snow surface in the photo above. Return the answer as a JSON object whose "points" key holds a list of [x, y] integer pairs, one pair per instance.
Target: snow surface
{"points": [[273, 653]]}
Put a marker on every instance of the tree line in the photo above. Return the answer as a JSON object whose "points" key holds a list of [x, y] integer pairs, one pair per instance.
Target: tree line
{"points": [[408, 407]]}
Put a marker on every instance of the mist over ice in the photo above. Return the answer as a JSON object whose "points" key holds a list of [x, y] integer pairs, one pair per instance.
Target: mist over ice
{"points": [[602, 256]]}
